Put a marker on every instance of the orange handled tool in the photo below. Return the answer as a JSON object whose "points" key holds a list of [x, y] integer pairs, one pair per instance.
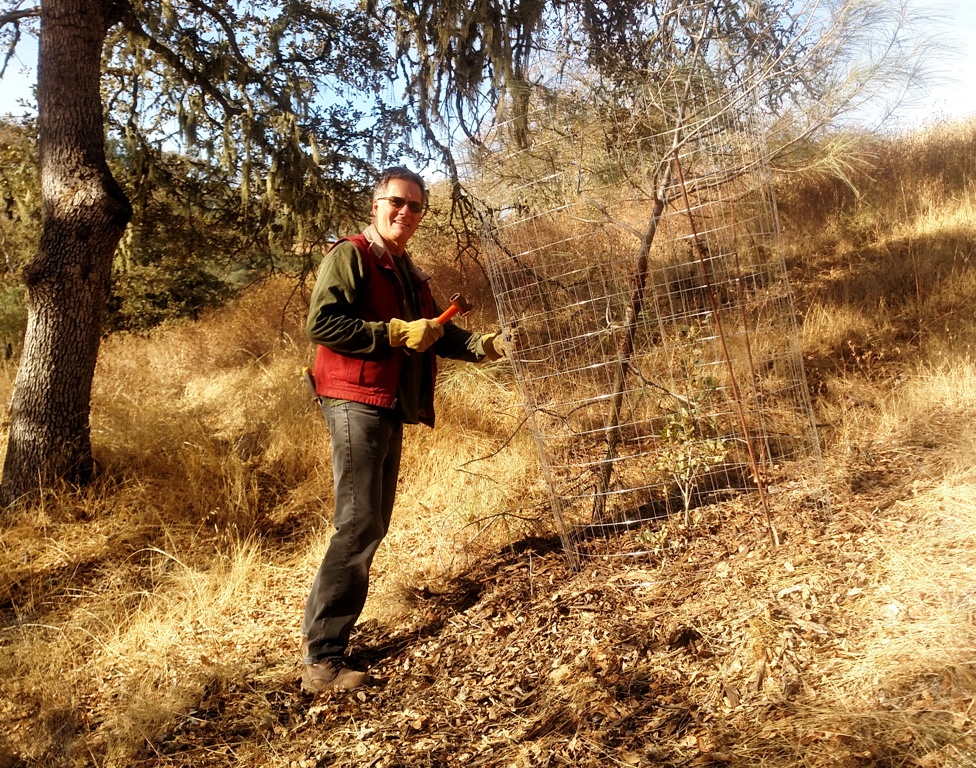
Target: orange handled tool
{"points": [[458, 304]]}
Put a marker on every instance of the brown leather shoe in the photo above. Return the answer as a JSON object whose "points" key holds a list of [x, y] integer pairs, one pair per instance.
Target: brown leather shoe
{"points": [[330, 675]]}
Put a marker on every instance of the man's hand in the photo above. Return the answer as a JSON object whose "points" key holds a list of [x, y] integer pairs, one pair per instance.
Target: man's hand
{"points": [[501, 343], [415, 334]]}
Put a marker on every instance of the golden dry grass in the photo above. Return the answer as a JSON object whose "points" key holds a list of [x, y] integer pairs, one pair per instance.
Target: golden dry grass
{"points": [[168, 596], [189, 559]]}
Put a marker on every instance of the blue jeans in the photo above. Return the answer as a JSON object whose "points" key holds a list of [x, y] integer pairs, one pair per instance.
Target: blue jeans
{"points": [[366, 446]]}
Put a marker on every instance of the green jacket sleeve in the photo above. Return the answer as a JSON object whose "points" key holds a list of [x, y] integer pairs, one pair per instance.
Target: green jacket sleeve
{"points": [[332, 315], [459, 344]]}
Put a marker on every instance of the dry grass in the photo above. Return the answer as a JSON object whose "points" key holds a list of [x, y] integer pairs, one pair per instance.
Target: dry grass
{"points": [[187, 564], [153, 618]]}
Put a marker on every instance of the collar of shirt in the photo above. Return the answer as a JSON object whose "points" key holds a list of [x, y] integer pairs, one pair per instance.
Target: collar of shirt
{"points": [[376, 243], [379, 248]]}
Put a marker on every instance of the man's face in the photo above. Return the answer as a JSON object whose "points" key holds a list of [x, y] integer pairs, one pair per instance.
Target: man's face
{"points": [[397, 225]]}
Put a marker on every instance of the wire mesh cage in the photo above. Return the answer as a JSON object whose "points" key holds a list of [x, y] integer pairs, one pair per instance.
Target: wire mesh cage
{"points": [[637, 252]]}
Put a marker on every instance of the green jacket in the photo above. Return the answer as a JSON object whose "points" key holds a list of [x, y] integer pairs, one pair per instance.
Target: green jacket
{"points": [[361, 286]]}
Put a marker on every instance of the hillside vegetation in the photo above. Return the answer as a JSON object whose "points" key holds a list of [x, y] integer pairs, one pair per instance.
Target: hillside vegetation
{"points": [[153, 619]]}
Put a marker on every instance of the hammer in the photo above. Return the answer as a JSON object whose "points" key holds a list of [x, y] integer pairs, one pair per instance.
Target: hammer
{"points": [[458, 304]]}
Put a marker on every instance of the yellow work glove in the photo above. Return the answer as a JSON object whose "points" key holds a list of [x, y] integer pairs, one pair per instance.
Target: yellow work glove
{"points": [[501, 343], [415, 334]]}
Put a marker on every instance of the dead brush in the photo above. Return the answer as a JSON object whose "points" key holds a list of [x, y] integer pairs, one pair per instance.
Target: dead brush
{"points": [[153, 617], [206, 446], [904, 690]]}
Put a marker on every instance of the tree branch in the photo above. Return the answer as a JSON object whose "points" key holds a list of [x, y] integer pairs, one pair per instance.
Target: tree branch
{"points": [[192, 76], [13, 17], [221, 21]]}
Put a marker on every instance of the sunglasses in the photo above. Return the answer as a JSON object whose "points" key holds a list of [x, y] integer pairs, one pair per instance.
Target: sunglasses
{"points": [[399, 202]]}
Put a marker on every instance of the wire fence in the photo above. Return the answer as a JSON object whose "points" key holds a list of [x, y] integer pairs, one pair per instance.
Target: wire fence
{"points": [[638, 253]]}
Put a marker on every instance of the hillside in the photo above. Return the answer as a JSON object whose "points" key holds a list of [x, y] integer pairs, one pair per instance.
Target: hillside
{"points": [[153, 619]]}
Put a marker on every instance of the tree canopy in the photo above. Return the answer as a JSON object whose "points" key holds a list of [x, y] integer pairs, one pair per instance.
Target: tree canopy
{"points": [[296, 105]]}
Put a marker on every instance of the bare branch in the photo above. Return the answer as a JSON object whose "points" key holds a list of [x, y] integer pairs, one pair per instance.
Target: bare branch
{"points": [[13, 17], [461, 467]]}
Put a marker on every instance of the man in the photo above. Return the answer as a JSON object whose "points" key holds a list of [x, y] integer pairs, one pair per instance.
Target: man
{"points": [[375, 366]]}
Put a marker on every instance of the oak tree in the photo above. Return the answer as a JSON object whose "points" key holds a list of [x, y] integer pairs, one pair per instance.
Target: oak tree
{"points": [[284, 102]]}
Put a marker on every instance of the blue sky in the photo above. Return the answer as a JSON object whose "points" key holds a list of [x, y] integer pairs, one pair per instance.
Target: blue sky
{"points": [[950, 95], [19, 78], [952, 92]]}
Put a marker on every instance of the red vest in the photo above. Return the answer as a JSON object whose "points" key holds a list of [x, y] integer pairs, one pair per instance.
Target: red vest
{"points": [[374, 380]]}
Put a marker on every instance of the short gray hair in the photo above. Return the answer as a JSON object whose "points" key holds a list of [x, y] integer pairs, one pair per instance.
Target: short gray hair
{"points": [[399, 172]]}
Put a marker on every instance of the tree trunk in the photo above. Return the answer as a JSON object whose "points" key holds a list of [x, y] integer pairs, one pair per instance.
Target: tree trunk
{"points": [[84, 215]]}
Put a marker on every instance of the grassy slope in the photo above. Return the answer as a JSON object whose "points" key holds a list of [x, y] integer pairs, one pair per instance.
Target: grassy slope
{"points": [[153, 619]]}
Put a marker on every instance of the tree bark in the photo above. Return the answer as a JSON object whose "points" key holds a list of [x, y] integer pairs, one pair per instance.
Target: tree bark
{"points": [[84, 215]]}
